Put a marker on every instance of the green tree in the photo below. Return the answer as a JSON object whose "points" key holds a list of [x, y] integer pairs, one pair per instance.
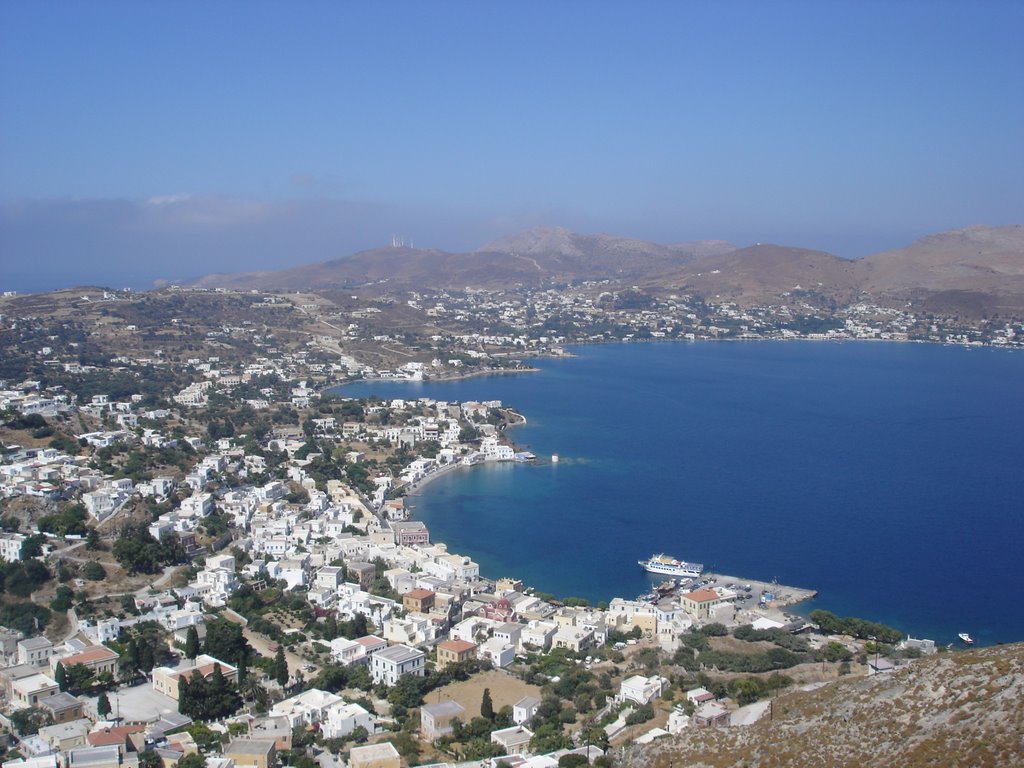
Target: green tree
{"points": [[131, 654], [27, 722], [191, 643], [254, 692], [26, 617], [80, 679], [407, 747], [60, 676], [103, 705], [32, 546], [94, 571], [146, 658], [207, 739], [193, 760], [834, 651], [280, 669], [746, 690], [486, 705], [640, 715], [359, 626], [138, 552], [226, 641], [330, 628], [92, 540], [24, 577], [203, 699]]}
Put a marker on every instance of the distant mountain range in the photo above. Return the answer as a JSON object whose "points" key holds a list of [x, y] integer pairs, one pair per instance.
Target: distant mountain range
{"points": [[974, 271]]}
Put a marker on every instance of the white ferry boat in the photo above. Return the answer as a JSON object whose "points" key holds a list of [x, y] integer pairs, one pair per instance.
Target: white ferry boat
{"points": [[670, 566]]}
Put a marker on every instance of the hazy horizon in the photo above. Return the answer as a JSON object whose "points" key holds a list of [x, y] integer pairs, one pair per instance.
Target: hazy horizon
{"points": [[159, 141]]}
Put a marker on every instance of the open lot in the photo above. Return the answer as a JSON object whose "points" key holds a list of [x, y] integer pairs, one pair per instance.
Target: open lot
{"points": [[140, 703], [506, 690]]}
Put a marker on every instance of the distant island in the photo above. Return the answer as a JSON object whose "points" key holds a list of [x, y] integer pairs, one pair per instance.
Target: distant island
{"points": [[975, 272]]}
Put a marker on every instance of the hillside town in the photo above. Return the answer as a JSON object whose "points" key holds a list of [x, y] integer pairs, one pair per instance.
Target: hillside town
{"points": [[199, 337], [210, 560]]}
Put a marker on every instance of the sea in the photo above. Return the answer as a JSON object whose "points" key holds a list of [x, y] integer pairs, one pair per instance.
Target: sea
{"points": [[888, 477]]}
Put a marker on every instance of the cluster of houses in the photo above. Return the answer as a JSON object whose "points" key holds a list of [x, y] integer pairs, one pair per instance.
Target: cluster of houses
{"points": [[348, 556]]}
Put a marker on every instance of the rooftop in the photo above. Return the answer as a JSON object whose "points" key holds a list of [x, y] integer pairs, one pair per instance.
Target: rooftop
{"points": [[60, 702], [90, 655], [371, 641], [105, 755], [373, 752], [399, 654], [250, 747], [444, 709], [35, 643], [419, 594], [457, 646], [702, 596]]}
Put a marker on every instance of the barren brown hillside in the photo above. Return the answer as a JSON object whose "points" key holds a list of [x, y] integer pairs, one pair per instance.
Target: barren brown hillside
{"points": [[976, 271], [953, 709]]}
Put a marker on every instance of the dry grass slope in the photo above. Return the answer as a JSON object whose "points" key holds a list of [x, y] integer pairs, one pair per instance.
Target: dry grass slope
{"points": [[956, 709]]}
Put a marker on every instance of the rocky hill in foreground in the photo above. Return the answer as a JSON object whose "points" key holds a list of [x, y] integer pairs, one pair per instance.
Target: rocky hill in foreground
{"points": [[953, 709]]}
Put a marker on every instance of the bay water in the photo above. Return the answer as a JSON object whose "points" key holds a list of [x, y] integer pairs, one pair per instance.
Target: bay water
{"points": [[888, 477]]}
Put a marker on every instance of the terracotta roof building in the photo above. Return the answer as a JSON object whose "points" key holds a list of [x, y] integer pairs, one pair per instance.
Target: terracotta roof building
{"points": [[165, 679], [454, 651], [418, 600], [98, 658], [701, 602]]}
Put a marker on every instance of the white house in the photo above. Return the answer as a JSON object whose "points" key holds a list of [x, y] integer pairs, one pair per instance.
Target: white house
{"points": [[497, 651], [390, 664], [35, 651], [345, 651], [343, 718], [10, 546], [537, 634], [307, 708], [514, 740], [414, 629], [642, 689], [524, 709]]}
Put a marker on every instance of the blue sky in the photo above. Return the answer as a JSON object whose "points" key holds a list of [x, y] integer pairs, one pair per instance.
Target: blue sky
{"points": [[164, 140]]}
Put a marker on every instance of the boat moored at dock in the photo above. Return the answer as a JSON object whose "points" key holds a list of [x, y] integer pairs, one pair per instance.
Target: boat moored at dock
{"points": [[669, 566]]}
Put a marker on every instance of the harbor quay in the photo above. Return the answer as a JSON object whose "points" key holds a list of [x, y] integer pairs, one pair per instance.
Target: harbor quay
{"points": [[731, 600], [776, 596]]}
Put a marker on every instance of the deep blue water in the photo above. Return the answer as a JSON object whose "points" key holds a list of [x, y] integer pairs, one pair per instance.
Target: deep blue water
{"points": [[889, 477]]}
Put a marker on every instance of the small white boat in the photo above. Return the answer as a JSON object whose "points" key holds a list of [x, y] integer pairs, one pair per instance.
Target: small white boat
{"points": [[966, 638], [554, 458]]}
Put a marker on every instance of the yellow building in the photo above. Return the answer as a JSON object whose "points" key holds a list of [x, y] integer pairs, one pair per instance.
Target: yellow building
{"points": [[454, 651], [165, 679], [700, 603], [99, 659], [647, 621], [252, 753]]}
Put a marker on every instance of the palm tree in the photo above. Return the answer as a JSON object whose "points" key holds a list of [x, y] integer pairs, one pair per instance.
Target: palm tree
{"points": [[253, 691]]}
